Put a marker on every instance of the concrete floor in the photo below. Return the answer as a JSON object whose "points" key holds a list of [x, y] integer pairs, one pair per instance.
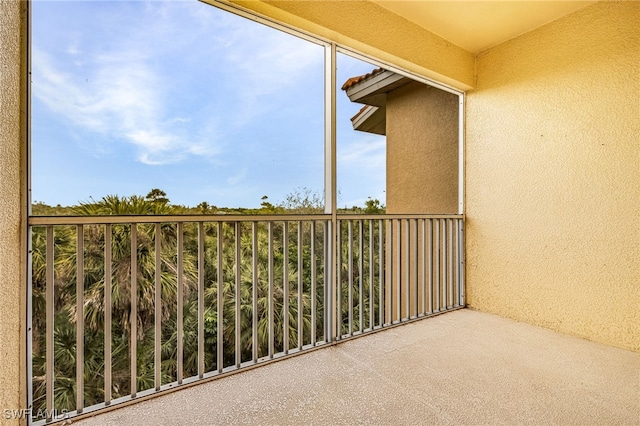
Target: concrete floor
{"points": [[463, 367]]}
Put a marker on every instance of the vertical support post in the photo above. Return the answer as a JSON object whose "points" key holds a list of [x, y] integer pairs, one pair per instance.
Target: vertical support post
{"points": [[461, 153], [25, 82], [330, 184]]}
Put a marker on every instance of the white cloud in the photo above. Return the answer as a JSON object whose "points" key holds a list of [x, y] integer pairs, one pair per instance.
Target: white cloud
{"points": [[123, 86], [119, 93], [366, 151]]}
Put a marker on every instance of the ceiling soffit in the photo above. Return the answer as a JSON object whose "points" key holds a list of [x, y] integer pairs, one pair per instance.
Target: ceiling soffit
{"points": [[480, 25]]}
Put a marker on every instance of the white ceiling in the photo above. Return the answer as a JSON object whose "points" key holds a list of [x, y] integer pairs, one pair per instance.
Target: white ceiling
{"points": [[479, 25]]}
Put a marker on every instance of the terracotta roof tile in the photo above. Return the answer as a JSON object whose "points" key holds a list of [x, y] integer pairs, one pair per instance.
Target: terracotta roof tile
{"points": [[355, 80], [363, 109]]}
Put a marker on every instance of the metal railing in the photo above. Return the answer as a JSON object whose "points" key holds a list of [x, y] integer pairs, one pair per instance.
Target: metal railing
{"points": [[127, 306]]}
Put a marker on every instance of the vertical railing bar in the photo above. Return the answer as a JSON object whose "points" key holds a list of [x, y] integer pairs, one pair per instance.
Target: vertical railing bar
{"points": [[407, 261], [220, 298], [238, 347], [271, 291], [107, 314], [50, 286], [445, 264], [389, 272], [462, 264], [133, 315], [300, 288], [381, 272], [327, 282], [254, 291], [338, 298], [350, 276], [360, 270], [430, 263], [158, 310], [285, 287], [423, 267], [450, 266], [456, 263], [312, 235], [79, 318], [437, 265], [371, 274], [29, 321], [201, 250], [180, 302], [389, 290], [398, 269], [415, 287]]}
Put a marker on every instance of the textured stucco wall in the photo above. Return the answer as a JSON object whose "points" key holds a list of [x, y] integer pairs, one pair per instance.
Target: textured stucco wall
{"points": [[422, 171], [372, 30], [422, 150], [12, 276], [553, 177]]}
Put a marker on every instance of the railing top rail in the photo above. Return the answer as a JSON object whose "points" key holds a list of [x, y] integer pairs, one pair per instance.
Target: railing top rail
{"points": [[398, 216], [127, 219]]}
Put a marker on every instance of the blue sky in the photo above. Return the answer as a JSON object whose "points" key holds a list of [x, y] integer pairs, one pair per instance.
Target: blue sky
{"points": [[179, 95]]}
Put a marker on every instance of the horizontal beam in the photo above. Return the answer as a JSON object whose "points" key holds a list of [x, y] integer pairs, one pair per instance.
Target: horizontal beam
{"points": [[126, 219]]}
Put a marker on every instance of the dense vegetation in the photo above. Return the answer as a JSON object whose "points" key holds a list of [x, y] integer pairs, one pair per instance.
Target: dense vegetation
{"points": [[300, 201], [292, 289]]}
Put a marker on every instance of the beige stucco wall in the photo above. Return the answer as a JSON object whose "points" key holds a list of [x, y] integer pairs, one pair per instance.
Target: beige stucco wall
{"points": [[12, 271], [372, 30], [422, 175], [422, 150], [553, 177]]}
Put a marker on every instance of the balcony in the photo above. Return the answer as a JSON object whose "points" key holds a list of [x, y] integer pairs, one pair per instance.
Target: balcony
{"points": [[395, 278], [127, 307], [462, 367]]}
